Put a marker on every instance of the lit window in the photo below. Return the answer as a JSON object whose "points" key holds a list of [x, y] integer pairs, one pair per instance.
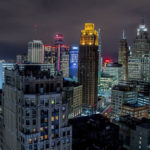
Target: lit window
{"points": [[46, 137], [42, 138], [30, 141], [56, 117], [52, 102], [63, 116], [34, 130], [52, 135], [52, 118], [41, 129], [68, 140], [63, 108]]}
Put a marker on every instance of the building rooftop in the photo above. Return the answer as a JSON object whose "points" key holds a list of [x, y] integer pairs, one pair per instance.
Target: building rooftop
{"points": [[125, 88], [67, 83], [133, 122], [136, 105]]}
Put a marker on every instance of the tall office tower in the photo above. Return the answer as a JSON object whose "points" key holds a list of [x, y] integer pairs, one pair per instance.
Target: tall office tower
{"points": [[34, 112], [123, 57], [141, 44], [88, 64], [35, 51], [73, 62], [99, 59], [62, 55]]}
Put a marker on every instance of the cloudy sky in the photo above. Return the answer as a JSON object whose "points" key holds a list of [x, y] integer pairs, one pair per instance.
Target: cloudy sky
{"points": [[18, 19]]}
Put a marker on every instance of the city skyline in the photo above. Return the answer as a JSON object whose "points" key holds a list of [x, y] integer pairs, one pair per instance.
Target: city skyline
{"points": [[68, 17]]}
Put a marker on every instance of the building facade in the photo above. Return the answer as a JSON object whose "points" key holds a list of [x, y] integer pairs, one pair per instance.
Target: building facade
{"points": [[73, 62], [34, 112], [35, 51], [120, 95], [123, 57], [88, 64]]}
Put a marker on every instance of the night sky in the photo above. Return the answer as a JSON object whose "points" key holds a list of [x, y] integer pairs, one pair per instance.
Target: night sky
{"points": [[18, 19]]}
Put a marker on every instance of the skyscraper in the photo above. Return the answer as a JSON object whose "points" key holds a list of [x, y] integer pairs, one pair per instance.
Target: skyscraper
{"points": [[123, 57], [141, 45], [139, 61], [35, 115], [62, 55], [88, 64], [36, 51], [73, 62], [99, 59]]}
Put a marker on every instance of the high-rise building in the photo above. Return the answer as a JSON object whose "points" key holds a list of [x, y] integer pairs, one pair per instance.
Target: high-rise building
{"points": [[141, 44], [88, 64], [62, 55], [34, 112], [73, 62], [36, 51], [123, 57], [99, 60]]}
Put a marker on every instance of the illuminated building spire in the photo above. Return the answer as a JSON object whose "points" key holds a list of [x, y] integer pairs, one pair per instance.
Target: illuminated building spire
{"points": [[123, 35]]}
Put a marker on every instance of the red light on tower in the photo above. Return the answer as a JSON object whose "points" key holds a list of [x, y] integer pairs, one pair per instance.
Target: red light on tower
{"points": [[107, 60]]}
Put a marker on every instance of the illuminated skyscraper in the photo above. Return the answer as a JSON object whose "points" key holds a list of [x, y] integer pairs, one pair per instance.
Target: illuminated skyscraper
{"points": [[88, 64], [123, 57], [139, 61], [99, 59], [36, 52], [73, 62], [141, 44], [62, 55]]}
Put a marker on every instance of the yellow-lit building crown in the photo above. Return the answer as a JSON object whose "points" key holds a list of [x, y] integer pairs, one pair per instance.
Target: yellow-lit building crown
{"points": [[89, 36]]}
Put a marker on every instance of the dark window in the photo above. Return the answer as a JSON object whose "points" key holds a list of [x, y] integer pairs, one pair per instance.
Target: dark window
{"points": [[34, 122], [27, 122]]}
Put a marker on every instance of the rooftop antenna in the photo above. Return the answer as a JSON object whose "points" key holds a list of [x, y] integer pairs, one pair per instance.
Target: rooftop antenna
{"points": [[123, 35]]}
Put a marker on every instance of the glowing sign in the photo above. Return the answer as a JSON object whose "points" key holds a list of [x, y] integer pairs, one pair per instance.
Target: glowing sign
{"points": [[75, 48], [58, 37]]}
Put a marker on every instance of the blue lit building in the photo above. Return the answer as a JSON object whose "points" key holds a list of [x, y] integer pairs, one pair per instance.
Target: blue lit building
{"points": [[73, 62]]}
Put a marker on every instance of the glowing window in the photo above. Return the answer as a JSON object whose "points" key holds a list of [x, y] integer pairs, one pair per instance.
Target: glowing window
{"points": [[34, 130], [52, 118], [63, 116], [56, 117], [41, 129], [30, 141], [52, 102], [46, 137], [42, 138]]}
